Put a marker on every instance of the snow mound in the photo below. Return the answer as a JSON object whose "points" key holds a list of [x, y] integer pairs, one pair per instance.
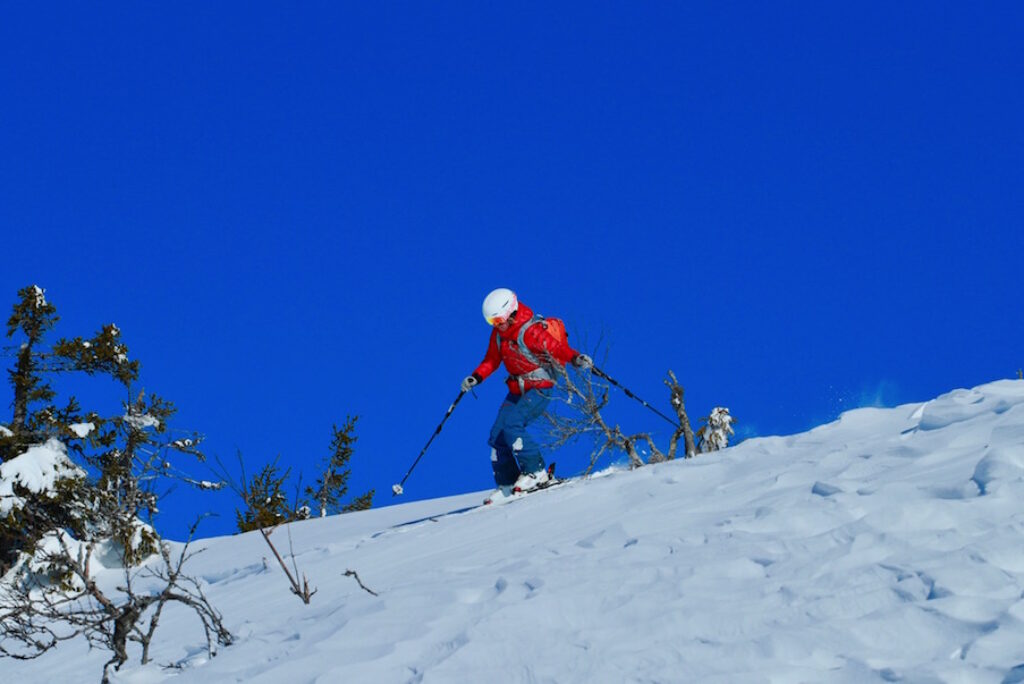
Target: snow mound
{"points": [[1001, 466], [965, 404], [885, 546]]}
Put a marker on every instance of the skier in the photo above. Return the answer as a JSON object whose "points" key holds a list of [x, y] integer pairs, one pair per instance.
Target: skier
{"points": [[524, 343]]}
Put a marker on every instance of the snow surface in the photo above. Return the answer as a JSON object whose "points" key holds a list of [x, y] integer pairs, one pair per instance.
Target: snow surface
{"points": [[37, 470], [886, 546]]}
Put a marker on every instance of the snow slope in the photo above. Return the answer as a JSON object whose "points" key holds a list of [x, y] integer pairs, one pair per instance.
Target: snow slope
{"points": [[886, 546]]}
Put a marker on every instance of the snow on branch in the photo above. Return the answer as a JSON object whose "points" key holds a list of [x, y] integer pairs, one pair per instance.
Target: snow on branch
{"points": [[38, 471], [39, 296]]}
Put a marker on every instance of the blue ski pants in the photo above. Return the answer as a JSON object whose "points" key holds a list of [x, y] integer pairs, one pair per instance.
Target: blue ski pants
{"points": [[513, 450]]}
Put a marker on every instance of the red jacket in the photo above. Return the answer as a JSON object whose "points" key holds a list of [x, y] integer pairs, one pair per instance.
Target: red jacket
{"points": [[504, 347]]}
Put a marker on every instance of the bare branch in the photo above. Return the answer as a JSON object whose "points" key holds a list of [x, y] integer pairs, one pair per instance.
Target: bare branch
{"points": [[302, 591], [587, 396], [353, 573], [684, 421]]}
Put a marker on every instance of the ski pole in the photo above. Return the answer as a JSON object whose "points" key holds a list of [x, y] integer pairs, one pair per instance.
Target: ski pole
{"points": [[612, 380], [397, 489]]}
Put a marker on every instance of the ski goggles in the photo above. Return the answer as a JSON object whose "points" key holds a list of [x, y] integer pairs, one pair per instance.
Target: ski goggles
{"points": [[498, 320]]}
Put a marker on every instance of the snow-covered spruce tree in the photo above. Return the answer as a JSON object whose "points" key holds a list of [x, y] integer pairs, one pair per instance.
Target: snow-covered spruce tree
{"points": [[717, 429], [77, 488], [63, 469], [35, 416], [37, 420], [104, 496]]}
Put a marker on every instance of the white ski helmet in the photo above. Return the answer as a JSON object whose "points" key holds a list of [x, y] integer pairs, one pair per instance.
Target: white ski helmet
{"points": [[500, 305]]}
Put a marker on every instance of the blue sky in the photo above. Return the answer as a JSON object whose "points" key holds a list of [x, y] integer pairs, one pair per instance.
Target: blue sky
{"points": [[293, 213]]}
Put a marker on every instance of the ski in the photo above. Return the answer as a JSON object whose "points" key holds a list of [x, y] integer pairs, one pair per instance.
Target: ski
{"points": [[514, 494]]}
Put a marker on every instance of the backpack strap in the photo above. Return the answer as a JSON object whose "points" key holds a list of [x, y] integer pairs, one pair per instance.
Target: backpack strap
{"points": [[521, 340], [541, 372]]}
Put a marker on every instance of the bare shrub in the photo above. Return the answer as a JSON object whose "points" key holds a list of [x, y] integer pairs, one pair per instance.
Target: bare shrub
{"points": [[586, 396], [37, 612]]}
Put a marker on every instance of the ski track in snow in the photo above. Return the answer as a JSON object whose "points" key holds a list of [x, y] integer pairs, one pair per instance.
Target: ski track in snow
{"points": [[885, 546]]}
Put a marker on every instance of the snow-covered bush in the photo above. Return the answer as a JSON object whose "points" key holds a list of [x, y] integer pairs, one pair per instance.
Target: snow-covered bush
{"points": [[37, 614], [715, 432]]}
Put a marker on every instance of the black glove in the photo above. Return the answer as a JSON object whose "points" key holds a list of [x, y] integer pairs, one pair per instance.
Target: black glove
{"points": [[583, 362], [470, 382]]}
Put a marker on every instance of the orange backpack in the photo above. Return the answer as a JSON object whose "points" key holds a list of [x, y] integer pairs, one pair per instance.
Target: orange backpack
{"points": [[555, 328]]}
